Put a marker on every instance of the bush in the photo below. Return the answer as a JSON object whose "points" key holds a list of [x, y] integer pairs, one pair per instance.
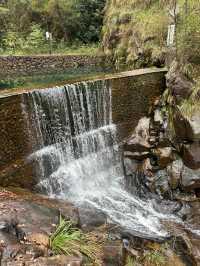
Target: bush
{"points": [[36, 38], [12, 41]]}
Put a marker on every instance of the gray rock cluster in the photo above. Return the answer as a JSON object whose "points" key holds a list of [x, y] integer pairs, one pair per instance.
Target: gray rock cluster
{"points": [[166, 163]]}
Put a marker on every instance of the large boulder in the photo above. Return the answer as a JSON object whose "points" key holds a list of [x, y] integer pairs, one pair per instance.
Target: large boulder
{"points": [[195, 126], [190, 179], [26, 222], [130, 166], [164, 156], [191, 155], [179, 85], [187, 128], [91, 218], [180, 175], [174, 173], [139, 141], [161, 183]]}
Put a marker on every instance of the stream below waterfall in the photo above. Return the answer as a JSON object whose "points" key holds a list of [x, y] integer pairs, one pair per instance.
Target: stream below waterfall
{"points": [[77, 154]]}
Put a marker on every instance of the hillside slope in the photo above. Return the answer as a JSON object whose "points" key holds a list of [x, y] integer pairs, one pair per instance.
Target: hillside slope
{"points": [[135, 31]]}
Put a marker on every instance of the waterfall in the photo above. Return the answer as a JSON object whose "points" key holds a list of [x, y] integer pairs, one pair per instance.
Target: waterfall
{"points": [[77, 155]]}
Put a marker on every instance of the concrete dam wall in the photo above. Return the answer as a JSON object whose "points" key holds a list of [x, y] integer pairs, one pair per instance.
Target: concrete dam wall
{"points": [[131, 94]]}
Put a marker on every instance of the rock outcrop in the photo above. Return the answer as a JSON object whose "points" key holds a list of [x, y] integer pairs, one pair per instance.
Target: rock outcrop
{"points": [[167, 142], [167, 166]]}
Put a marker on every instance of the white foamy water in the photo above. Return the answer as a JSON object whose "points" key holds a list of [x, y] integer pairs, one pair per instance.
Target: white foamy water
{"points": [[77, 154]]}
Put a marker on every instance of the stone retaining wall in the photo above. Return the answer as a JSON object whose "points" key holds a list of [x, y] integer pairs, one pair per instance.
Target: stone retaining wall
{"points": [[43, 64]]}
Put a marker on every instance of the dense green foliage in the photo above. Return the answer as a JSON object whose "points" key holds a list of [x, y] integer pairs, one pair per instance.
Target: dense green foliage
{"points": [[135, 31], [24, 23]]}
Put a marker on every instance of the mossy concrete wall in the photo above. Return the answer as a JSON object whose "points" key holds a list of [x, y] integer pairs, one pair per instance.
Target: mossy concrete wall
{"points": [[16, 65], [14, 143], [132, 95]]}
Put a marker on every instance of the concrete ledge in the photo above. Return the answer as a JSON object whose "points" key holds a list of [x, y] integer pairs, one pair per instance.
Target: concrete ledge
{"points": [[125, 74]]}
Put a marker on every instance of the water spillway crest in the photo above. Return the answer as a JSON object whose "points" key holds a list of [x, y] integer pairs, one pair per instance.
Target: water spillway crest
{"points": [[77, 153]]}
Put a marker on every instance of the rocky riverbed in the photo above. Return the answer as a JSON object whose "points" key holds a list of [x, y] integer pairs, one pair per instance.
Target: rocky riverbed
{"points": [[161, 159], [27, 221]]}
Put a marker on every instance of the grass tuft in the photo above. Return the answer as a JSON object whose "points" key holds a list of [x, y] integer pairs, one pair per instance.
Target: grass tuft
{"points": [[71, 241], [130, 261], [155, 258]]}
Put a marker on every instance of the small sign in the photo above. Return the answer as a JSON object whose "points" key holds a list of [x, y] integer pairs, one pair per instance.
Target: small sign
{"points": [[48, 36], [171, 33]]}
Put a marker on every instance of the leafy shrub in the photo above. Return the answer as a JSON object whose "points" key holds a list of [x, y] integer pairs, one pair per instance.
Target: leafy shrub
{"points": [[36, 38], [12, 41]]}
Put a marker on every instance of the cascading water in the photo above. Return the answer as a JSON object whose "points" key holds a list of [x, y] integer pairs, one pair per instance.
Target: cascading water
{"points": [[78, 156]]}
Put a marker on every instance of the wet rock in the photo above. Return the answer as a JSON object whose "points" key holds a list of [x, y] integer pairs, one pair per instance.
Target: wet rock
{"points": [[147, 167], [195, 126], [9, 246], [161, 183], [187, 128], [191, 155], [164, 156], [186, 242], [179, 85], [190, 178], [130, 166], [68, 210], [26, 221], [90, 218], [59, 260], [157, 183], [164, 140], [193, 215], [112, 253], [166, 206], [136, 155], [138, 142], [174, 171]]}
